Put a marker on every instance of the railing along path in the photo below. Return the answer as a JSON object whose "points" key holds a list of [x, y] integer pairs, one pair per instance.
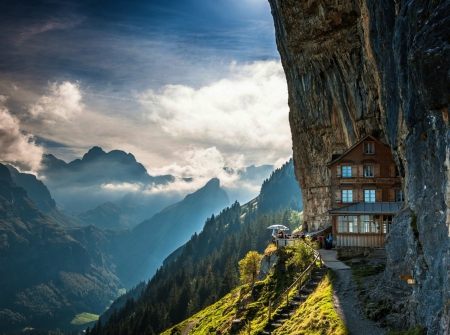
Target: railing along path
{"points": [[276, 302]]}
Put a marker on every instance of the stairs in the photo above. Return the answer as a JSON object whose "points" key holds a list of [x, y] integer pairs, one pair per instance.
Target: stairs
{"points": [[283, 314]]}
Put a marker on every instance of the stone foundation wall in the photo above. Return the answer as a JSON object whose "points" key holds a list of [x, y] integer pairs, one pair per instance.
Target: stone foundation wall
{"points": [[344, 253]]}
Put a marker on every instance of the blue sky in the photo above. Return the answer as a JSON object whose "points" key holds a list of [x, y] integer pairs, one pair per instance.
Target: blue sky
{"points": [[187, 86]]}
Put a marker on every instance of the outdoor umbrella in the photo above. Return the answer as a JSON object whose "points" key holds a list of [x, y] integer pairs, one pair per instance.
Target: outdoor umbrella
{"points": [[277, 227]]}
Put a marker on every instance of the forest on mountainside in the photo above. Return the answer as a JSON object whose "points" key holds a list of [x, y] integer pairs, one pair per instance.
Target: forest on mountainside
{"points": [[206, 269]]}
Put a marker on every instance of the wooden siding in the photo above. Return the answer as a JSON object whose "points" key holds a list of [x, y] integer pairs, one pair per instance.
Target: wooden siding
{"points": [[360, 240], [384, 180]]}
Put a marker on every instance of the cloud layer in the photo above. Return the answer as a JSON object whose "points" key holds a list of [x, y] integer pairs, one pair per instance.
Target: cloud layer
{"points": [[62, 103], [245, 113], [16, 147], [248, 110]]}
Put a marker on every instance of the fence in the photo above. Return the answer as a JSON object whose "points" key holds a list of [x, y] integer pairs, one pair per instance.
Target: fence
{"points": [[273, 305]]}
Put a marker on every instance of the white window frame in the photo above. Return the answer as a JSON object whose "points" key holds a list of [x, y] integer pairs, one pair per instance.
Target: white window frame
{"points": [[399, 196], [369, 196], [347, 196], [369, 224], [369, 148], [387, 220], [347, 224], [346, 171], [369, 171]]}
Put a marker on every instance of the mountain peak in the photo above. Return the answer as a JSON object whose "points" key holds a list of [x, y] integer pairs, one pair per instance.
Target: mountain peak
{"points": [[214, 182], [5, 174], [93, 154]]}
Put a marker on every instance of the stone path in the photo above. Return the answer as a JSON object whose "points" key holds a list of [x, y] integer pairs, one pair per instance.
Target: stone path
{"points": [[345, 300], [330, 260]]}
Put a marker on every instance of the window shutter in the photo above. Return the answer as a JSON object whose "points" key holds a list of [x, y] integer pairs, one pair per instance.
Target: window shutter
{"points": [[338, 171], [354, 171], [391, 195], [378, 195], [360, 171], [377, 171], [392, 168], [338, 197]]}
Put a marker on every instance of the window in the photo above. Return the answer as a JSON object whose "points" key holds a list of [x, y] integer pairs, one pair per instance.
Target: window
{"points": [[369, 171], [348, 224], [370, 224], [369, 195], [347, 195], [387, 220], [368, 148], [346, 171], [399, 196]]}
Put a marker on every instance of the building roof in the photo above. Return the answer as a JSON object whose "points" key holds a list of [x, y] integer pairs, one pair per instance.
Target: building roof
{"points": [[369, 208], [336, 157]]}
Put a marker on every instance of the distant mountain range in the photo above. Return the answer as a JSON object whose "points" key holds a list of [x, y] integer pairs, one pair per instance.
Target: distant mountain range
{"points": [[111, 190], [57, 263], [80, 185], [49, 274]]}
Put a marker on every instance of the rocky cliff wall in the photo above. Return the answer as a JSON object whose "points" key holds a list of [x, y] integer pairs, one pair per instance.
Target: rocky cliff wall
{"points": [[378, 67]]}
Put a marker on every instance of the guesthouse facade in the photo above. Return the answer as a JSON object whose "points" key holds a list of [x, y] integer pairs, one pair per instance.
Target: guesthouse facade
{"points": [[366, 193]]}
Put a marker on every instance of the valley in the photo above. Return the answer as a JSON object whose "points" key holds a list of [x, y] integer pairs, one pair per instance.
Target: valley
{"points": [[80, 268]]}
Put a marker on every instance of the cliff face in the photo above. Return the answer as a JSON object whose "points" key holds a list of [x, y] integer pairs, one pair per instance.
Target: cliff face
{"points": [[378, 67]]}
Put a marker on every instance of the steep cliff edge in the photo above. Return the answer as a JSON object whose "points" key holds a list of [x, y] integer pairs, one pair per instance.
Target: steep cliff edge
{"points": [[378, 67]]}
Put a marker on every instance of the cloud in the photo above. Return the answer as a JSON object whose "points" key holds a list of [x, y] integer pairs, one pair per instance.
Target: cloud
{"points": [[40, 27], [17, 148], [63, 103], [122, 187], [247, 110], [202, 165], [243, 116]]}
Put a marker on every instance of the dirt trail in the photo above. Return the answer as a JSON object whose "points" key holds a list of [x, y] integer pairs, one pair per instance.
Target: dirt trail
{"points": [[348, 306]]}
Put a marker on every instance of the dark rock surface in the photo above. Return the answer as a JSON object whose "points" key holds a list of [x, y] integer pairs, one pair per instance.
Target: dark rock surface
{"points": [[377, 67]]}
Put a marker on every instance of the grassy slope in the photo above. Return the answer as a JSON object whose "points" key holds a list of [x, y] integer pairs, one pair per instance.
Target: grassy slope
{"points": [[84, 318], [315, 316]]}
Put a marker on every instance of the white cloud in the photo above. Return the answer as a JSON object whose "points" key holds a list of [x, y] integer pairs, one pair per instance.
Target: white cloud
{"points": [[248, 109], [48, 25], [16, 147], [243, 116], [122, 187], [202, 165], [63, 103], [280, 162]]}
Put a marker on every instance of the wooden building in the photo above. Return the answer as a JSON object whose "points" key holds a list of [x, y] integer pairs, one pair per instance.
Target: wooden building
{"points": [[366, 194]]}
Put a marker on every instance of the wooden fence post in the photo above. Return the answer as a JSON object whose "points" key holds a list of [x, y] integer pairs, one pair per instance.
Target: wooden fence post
{"points": [[270, 309]]}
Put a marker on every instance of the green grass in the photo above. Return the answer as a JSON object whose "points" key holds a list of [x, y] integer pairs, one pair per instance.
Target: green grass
{"points": [[84, 318], [315, 316]]}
